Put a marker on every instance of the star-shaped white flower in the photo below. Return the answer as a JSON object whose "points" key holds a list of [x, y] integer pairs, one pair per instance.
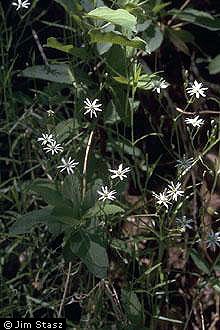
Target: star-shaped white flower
{"points": [[183, 223], [162, 198], [21, 4], [50, 113], [91, 107], [195, 122], [106, 194], [174, 191], [68, 165], [159, 84], [120, 172], [196, 89], [213, 240], [53, 147], [45, 139]]}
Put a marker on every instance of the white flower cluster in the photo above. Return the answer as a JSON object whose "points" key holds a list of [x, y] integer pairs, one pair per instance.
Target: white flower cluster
{"points": [[173, 192], [52, 146], [105, 193]]}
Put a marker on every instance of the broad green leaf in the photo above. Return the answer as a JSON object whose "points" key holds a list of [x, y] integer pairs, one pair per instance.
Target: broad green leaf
{"points": [[125, 148], [26, 222], [69, 49], [107, 209], [177, 41], [199, 262], [119, 17], [67, 215], [91, 195], [153, 37], [92, 254], [66, 129], [214, 65], [179, 38], [116, 38], [103, 48], [50, 195], [60, 73], [198, 17], [72, 192], [132, 306], [96, 260]]}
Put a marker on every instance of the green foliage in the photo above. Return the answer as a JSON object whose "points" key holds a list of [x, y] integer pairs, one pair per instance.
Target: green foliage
{"points": [[116, 38], [199, 262], [60, 73], [119, 17], [214, 65], [129, 262], [198, 17], [88, 248], [132, 307]]}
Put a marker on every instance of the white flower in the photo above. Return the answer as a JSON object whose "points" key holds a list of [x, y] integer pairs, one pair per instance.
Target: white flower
{"points": [[91, 107], [195, 122], [53, 147], [184, 223], [159, 84], [196, 88], [213, 240], [119, 173], [174, 191], [105, 194], [184, 164], [162, 198], [68, 165], [21, 4], [46, 138], [50, 113]]}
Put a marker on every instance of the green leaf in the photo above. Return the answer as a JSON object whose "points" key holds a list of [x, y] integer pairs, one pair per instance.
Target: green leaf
{"points": [[198, 17], [66, 128], [116, 38], [96, 260], [92, 254], [72, 188], [214, 65], [26, 222], [72, 192], [132, 306], [50, 195], [69, 49], [153, 36], [199, 262], [107, 209], [59, 73], [119, 17], [177, 41], [91, 195], [125, 148]]}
